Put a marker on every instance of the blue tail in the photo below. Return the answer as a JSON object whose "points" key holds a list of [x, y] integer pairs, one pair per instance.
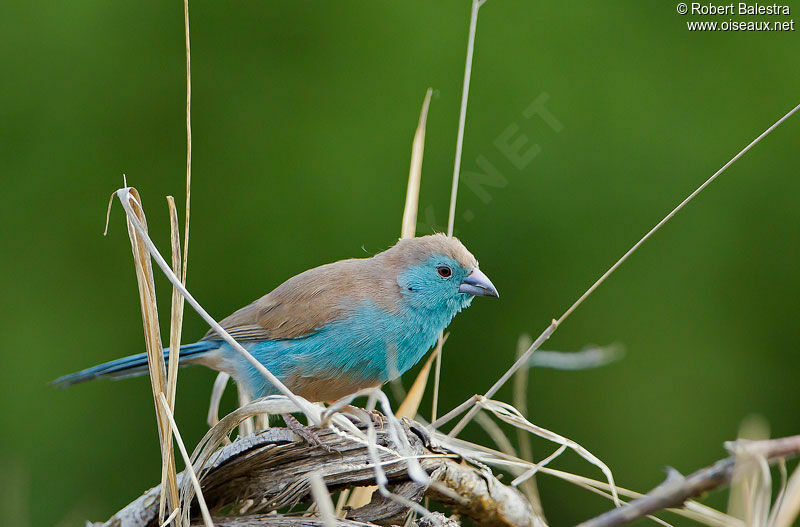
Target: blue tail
{"points": [[133, 365]]}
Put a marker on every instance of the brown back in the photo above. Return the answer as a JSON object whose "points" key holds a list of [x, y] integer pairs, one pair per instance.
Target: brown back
{"points": [[308, 301]]}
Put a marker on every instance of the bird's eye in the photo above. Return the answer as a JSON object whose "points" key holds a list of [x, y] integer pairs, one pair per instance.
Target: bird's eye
{"points": [[444, 271]]}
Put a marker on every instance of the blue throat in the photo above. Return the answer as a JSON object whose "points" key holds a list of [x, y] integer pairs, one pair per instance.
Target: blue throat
{"points": [[421, 330]]}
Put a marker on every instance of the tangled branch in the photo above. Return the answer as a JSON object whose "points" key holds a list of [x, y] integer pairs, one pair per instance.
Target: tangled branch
{"points": [[271, 471]]}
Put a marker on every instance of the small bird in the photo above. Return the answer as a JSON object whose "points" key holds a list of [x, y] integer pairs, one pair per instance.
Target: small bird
{"points": [[338, 328]]}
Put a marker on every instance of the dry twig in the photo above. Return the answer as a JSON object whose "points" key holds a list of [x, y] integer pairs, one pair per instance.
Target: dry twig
{"points": [[676, 489]]}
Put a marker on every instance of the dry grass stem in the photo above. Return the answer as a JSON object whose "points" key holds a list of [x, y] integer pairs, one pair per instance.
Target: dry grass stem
{"points": [[510, 415], [520, 399], [155, 360], [587, 358], [451, 217], [784, 481], [455, 412], [409, 226], [496, 434], [341, 501], [188, 462], [531, 472], [176, 322], [176, 314], [410, 405], [437, 374], [462, 115], [471, 403], [216, 397], [415, 471], [322, 498], [247, 426], [747, 473], [171, 517], [555, 323], [787, 509], [188, 137]]}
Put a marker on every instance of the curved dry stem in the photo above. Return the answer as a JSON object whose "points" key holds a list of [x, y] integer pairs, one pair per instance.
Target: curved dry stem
{"points": [[523, 359]]}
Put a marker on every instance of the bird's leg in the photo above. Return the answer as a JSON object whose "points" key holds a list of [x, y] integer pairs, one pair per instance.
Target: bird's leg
{"points": [[307, 433]]}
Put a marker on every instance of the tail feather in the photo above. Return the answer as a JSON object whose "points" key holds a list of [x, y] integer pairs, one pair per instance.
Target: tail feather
{"points": [[133, 365]]}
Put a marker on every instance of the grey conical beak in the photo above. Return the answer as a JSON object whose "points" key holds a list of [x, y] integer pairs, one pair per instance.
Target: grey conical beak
{"points": [[478, 284]]}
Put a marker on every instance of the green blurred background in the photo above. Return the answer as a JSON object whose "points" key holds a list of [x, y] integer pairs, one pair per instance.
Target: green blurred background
{"points": [[303, 116]]}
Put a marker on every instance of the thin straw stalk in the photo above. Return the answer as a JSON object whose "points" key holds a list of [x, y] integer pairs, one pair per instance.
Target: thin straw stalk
{"points": [[137, 230], [188, 137], [451, 216], [409, 226], [528, 487], [189, 469], [323, 499], [462, 115], [523, 359]]}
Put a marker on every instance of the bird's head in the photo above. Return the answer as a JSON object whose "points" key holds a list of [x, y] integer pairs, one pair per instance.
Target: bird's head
{"points": [[438, 272]]}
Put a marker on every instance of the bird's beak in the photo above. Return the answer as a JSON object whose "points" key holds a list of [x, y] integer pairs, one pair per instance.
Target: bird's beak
{"points": [[478, 284]]}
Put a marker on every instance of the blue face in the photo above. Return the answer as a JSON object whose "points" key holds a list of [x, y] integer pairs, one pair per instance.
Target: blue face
{"points": [[434, 284]]}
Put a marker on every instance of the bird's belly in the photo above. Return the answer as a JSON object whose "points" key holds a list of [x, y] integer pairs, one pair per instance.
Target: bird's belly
{"points": [[365, 350], [322, 389]]}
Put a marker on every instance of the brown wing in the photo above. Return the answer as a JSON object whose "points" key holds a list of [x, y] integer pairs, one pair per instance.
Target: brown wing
{"points": [[306, 302]]}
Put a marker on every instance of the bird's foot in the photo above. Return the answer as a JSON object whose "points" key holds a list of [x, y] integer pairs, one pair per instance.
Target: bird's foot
{"points": [[307, 433], [359, 416]]}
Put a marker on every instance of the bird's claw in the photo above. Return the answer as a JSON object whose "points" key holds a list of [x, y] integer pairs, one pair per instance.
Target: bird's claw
{"points": [[359, 416], [306, 433]]}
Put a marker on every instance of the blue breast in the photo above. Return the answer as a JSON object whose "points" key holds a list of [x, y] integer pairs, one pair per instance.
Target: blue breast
{"points": [[369, 343]]}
